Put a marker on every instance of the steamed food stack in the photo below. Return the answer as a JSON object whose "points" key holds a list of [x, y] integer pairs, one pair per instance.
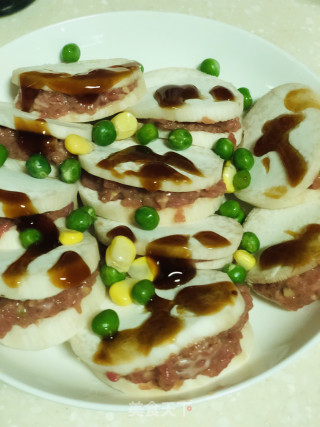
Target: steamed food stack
{"points": [[287, 270], [156, 200], [49, 284], [182, 98], [79, 92], [282, 131]]}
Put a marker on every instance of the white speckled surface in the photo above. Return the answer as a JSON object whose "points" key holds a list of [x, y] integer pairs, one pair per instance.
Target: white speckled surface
{"points": [[290, 397]]}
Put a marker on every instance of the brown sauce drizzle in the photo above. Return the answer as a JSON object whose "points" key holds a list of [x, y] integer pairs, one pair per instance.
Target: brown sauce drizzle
{"points": [[210, 239], [177, 245], [276, 192], [296, 252], [173, 96], [33, 136], [69, 271], [173, 272], [35, 126], [173, 246], [18, 269], [121, 230], [221, 93], [266, 163], [276, 138], [15, 204], [154, 169], [299, 99], [161, 327], [87, 86]]}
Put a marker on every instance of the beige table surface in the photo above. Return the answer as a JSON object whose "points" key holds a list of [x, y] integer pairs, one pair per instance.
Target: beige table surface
{"points": [[291, 396]]}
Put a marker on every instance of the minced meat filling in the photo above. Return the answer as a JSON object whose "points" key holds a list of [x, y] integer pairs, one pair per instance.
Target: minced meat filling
{"points": [[292, 293], [56, 104], [231, 125], [135, 197], [21, 145], [26, 312]]}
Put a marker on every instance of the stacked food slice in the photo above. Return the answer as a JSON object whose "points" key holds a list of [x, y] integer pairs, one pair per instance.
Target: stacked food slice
{"points": [[181, 186], [207, 106], [79, 92], [48, 285], [282, 131], [184, 337]]}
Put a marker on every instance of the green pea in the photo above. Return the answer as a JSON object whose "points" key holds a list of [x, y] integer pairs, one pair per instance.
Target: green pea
{"points": [[235, 272], [79, 220], [230, 208], [250, 242], [110, 275], [70, 171], [241, 179], [142, 68], [30, 236], [3, 154], [224, 148], [104, 133], [179, 139], [38, 166], [106, 323], [247, 98], [70, 53], [90, 211], [210, 66], [146, 218], [142, 292], [243, 159], [241, 216], [147, 133]]}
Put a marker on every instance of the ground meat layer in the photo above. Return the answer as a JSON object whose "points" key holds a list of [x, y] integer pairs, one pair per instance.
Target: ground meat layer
{"points": [[133, 197], [231, 125], [5, 225], [293, 293], [21, 145], [56, 104], [27, 312], [207, 357]]}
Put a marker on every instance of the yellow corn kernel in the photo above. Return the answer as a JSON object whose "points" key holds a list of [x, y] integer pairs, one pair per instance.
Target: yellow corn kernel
{"points": [[125, 124], [120, 254], [70, 237], [229, 171], [76, 144], [245, 259], [144, 268], [120, 292]]}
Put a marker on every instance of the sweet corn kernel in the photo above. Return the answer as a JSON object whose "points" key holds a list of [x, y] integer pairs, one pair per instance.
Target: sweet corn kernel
{"points": [[228, 173], [245, 259], [143, 268], [70, 237], [76, 144], [126, 125], [120, 254], [120, 292]]}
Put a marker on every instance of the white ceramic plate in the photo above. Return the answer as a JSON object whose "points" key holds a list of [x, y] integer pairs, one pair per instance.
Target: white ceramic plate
{"points": [[159, 40]]}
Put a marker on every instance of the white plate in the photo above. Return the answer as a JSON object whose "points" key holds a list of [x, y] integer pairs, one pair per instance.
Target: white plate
{"points": [[159, 40]]}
